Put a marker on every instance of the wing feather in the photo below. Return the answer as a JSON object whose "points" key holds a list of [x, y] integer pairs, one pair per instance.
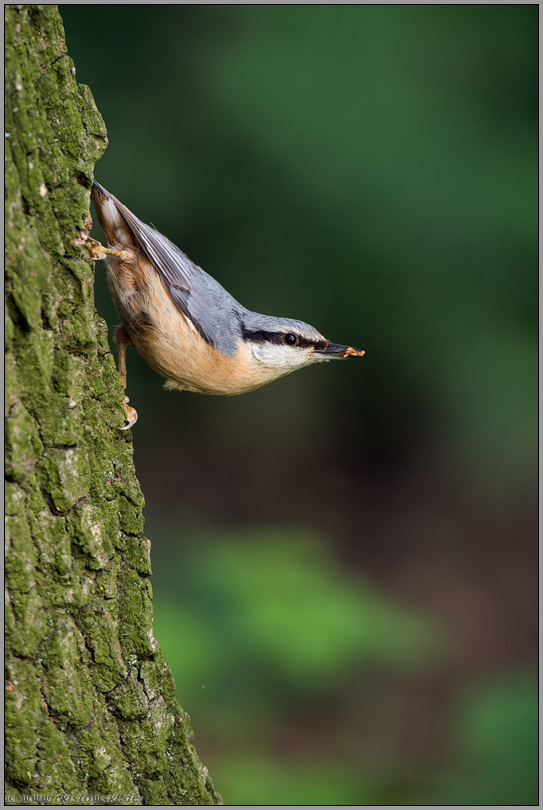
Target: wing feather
{"points": [[175, 267], [172, 263]]}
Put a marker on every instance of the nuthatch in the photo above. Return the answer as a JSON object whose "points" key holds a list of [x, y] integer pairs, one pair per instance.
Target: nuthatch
{"points": [[184, 324]]}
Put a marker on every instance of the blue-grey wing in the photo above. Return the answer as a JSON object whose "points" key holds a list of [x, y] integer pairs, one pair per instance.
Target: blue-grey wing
{"points": [[176, 268], [195, 293]]}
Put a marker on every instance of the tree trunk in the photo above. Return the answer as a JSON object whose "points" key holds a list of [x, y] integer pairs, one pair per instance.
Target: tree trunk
{"points": [[90, 707]]}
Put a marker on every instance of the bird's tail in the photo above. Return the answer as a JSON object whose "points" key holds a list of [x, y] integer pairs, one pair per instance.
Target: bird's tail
{"points": [[117, 232]]}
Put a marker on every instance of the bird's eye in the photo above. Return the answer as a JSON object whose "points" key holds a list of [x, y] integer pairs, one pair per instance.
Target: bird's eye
{"points": [[290, 339]]}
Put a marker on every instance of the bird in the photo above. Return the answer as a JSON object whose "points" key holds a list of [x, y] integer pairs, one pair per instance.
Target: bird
{"points": [[184, 324]]}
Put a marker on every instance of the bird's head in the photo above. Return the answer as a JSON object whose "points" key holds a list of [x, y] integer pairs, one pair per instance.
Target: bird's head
{"points": [[282, 345]]}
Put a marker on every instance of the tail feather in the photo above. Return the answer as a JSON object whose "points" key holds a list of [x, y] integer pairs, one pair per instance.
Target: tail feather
{"points": [[117, 231]]}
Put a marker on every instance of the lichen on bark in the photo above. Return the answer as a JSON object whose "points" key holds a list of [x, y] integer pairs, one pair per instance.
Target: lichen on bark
{"points": [[90, 699]]}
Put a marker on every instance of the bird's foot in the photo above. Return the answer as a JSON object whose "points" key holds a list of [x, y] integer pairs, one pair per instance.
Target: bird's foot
{"points": [[98, 251], [131, 414]]}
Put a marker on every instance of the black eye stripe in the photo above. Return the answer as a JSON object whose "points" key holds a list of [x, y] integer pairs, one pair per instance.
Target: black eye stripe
{"points": [[262, 336]]}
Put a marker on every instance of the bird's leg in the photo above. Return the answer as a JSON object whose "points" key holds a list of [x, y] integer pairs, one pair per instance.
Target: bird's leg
{"points": [[122, 340], [98, 251]]}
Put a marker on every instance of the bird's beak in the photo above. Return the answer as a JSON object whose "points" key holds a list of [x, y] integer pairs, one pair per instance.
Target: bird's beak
{"points": [[335, 351]]}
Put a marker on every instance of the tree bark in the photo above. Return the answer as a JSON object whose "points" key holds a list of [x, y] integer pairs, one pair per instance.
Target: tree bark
{"points": [[90, 708]]}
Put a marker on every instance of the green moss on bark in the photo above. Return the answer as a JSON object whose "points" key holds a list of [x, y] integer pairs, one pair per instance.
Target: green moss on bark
{"points": [[90, 706]]}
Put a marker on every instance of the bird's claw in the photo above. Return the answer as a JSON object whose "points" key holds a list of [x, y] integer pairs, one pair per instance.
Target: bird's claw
{"points": [[98, 251], [131, 414]]}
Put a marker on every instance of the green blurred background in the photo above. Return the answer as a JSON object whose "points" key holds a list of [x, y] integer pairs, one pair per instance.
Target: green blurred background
{"points": [[344, 561]]}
